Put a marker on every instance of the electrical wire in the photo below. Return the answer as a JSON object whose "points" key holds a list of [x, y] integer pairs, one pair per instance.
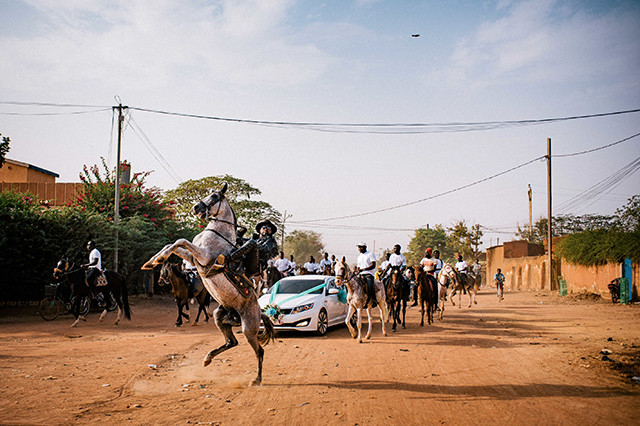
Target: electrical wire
{"points": [[390, 128], [423, 199], [596, 149], [153, 150], [54, 113]]}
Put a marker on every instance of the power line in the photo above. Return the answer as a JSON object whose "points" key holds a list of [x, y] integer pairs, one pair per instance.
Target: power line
{"points": [[54, 113], [597, 149], [391, 128], [426, 198], [153, 150]]}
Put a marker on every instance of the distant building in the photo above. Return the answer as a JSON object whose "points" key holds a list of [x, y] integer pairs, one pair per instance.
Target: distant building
{"points": [[17, 176], [18, 172]]}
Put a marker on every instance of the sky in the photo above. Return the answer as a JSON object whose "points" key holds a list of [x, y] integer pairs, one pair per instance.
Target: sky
{"points": [[340, 63]]}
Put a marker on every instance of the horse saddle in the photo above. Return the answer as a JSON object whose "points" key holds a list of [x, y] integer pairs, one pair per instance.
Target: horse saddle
{"points": [[101, 280], [243, 284]]}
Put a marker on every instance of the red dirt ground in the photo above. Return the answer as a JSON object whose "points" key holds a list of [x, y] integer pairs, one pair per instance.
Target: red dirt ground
{"points": [[532, 359]]}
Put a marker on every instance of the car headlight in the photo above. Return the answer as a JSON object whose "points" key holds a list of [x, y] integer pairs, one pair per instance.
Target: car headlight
{"points": [[302, 308]]}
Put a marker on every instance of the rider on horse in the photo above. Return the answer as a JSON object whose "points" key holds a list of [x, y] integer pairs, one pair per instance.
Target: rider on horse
{"points": [[429, 265], [94, 267], [254, 253], [365, 266]]}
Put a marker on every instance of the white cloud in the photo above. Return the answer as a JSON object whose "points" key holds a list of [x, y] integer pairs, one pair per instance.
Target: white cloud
{"points": [[543, 41], [146, 44]]}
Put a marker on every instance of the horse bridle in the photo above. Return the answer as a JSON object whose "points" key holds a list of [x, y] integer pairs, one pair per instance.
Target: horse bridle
{"points": [[215, 218]]}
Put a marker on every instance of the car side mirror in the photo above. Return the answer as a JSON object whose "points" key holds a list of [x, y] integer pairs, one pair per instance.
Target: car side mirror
{"points": [[334, 291]]}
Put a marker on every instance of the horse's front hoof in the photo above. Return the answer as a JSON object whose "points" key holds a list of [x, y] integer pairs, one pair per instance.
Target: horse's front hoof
{"points": [[194, 323], [475, 302], [403, 326], [206, 361], [255, 382]]}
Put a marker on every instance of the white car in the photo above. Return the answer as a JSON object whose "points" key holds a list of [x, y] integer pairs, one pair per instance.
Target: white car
{"points": [[315, 311]]}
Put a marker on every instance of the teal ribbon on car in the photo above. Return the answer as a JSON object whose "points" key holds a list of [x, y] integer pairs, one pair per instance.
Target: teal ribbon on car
{"points": [[270, 311]]}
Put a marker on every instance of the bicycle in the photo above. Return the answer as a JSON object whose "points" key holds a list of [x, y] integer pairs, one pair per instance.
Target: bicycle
{"points": [[53, 304]]}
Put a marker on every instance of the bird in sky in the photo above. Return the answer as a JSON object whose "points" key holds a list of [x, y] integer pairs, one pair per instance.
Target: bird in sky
{"points": [[415, 35]]}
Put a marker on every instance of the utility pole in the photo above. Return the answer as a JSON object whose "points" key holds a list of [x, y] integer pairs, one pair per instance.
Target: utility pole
{"points": [[530, 218], [549, 224], [116, 214]]}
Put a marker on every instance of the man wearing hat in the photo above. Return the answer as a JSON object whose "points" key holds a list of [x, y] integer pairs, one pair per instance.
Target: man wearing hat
{"points": [[365, 267], [257, 251]]}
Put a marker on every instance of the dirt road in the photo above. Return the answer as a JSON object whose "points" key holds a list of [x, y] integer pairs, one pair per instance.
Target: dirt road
{"points": [[532, 359]]}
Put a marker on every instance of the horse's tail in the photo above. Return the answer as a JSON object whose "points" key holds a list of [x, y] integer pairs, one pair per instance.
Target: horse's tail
{"points": [[125, 298], [269, 332]]}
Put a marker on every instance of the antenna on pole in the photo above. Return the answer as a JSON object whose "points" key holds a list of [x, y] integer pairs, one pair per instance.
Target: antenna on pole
{"points": [[116, 213], [530, 216]]}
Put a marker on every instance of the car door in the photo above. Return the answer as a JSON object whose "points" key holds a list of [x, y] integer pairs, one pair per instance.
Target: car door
{"points": [[336, 310]]}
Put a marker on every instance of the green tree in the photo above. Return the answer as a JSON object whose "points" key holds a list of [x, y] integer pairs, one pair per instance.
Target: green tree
{"points": [[458, 239], [435, 237], [628, 216], [249, 212], [302, 244], [475, 240], [4, 148]]}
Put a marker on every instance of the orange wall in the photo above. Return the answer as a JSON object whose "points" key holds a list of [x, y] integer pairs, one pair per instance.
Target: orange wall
{"points": [[17, 173], [531, 273]]}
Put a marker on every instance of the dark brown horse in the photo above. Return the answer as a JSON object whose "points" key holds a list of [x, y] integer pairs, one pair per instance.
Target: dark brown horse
{"points": [[427, 288], [116, 288], [397, 290], [172, 275], [273, 276]]}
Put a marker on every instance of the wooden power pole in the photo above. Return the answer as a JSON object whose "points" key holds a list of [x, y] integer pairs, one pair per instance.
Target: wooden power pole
{"points": [[530, 217], [116, 214], [549, 224]]}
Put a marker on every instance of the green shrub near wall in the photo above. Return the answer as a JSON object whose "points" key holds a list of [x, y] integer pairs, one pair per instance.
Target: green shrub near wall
{"points": [[598, 247]]}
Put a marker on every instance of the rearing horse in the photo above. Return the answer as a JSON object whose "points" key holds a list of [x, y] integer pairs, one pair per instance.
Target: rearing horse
{"points": [[236, 298], [357, 299]]}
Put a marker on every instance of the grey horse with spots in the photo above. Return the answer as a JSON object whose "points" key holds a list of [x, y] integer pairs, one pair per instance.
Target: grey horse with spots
{"points": [[237, 299]]}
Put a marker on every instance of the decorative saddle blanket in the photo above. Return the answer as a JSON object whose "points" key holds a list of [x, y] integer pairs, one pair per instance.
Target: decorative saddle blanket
{"points": [[101, 280]]}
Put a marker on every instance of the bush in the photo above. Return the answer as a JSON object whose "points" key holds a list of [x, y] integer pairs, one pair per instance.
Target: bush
{"points": [[591, 248], [32, 240]]}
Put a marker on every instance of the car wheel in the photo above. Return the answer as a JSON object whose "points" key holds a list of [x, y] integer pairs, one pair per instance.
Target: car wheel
{"points": [[323, 322]]}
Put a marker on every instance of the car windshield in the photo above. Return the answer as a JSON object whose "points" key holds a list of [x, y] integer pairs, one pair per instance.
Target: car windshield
{"points": [[295, 286]]}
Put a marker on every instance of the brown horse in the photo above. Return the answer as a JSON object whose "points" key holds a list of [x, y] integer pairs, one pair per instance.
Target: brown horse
{"points": [[172, 275], [427, 288], [397, 290]]}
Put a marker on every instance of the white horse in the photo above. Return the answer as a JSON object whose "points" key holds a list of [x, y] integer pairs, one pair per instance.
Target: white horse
{"points": [[237, 298], [459, 284], [357, 299]]}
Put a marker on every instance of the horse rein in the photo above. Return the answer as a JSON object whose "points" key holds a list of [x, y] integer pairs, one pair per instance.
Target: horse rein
{"points": [[215, 218]]}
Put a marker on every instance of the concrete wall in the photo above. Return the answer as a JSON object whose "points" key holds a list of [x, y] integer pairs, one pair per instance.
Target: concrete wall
{"points": [[530, 273], [521, 273]]}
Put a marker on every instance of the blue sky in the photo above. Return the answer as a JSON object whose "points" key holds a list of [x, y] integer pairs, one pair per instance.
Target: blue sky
{"points": [[336, 62]]}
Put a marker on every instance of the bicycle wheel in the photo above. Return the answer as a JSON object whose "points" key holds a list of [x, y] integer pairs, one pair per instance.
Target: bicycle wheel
{"points": [[49, 308], [111, 303], [85, 304]]}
